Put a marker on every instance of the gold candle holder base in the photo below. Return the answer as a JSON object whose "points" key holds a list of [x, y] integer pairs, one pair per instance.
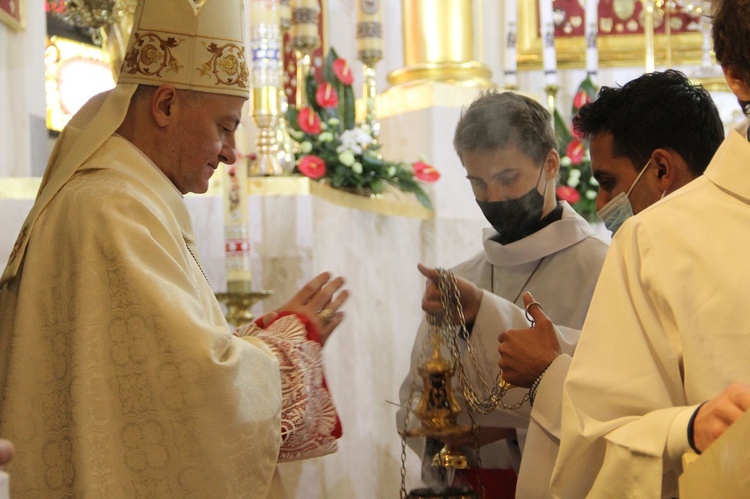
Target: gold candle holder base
{"points": [[267, 162], [238, 305], [551, 92], [369, 59]]}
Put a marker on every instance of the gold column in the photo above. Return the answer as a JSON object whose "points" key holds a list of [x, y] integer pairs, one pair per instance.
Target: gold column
{"points": [[648, 33], [439, 44]]}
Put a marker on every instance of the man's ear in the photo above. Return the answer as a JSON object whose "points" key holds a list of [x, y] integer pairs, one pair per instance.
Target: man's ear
{"points": [[163, 105], [551, 164], [670, 169], [736, 83]]}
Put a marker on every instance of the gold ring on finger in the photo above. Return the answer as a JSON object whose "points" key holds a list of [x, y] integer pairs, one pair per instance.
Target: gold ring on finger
{"points": [[325, 315]]}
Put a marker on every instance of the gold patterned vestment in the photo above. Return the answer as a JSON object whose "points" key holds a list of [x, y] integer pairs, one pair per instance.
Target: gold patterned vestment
{"points": [[119, 376]]}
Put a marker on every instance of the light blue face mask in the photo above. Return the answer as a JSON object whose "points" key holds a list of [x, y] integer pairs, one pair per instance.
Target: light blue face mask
{"points": [[619, 209]]}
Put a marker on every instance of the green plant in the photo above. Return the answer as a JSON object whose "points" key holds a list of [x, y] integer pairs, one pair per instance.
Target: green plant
{"points": [[333, 149]]}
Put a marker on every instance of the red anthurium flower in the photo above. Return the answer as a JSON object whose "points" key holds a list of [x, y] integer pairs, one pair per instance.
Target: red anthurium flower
{"points": [[425, 172], [569, 194], [308, 121], [581, 98], [343, 72], [575, 151], [326, 96], [312, 166]]}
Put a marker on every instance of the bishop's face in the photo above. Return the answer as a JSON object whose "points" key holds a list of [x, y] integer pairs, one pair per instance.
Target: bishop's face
{"points": [[202, 137]]}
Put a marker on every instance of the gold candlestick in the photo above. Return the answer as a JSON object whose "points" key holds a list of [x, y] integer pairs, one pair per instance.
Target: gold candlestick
{"points": [[285, 153], [238, 305], [305, 39], [369, 92], [551, 92], [266, 50]]}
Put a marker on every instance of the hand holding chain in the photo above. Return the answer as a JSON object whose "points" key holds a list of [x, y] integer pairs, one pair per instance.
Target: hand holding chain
{"points": [[446, 323]]}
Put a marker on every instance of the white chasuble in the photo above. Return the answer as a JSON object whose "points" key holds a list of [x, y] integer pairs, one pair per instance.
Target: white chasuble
{"points": [[119, 375]]}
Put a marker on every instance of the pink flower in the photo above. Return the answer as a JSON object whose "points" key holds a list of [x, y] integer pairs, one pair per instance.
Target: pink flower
{"points": [[326, 96], [308, 121], [425, 172], [569, 194], [343, 73], [575, 151], [580, 99], [312, 166]]}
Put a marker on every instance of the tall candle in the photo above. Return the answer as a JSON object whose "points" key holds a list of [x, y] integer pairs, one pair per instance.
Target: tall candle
{"points": [[511, 27], [369, 27], [549, 57], [236, 220], [264, 12], [592, 33], [285, 14], [305, 18], [265, 43]]}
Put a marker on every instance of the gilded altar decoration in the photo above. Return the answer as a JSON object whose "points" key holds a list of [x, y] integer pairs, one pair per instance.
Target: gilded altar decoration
{"points": [[12, 13], [333, 149], [577, 184], [620, 34]]}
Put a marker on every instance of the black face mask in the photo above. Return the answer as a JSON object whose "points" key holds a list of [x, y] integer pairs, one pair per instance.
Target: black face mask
{"points": [[515, 219]]}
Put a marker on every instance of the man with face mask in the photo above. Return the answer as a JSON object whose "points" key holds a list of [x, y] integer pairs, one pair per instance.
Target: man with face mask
{"points": [[507, 145], [640, 152], [662, 364], [627, 128]]}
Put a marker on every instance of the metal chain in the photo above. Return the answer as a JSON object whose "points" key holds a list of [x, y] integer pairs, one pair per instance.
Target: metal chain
{"points": [[409, 404], [453, 314]]}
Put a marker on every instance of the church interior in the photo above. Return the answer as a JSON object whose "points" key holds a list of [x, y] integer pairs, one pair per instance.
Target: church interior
{"points": [[268, 224]]}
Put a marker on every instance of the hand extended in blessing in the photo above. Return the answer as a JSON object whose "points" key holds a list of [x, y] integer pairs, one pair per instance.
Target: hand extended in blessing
{"points": [[525, 353], [319, 302], [470, 295]]}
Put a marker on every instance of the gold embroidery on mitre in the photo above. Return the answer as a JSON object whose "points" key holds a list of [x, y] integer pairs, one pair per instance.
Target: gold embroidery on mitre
{"points": [[227, 64], [150, 55], [19, 242]]}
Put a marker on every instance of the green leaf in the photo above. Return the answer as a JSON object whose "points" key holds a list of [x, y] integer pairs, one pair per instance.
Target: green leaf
{"points": [[563, 133], [291, 116], [328, 74], [311, 86], [348, 111]]}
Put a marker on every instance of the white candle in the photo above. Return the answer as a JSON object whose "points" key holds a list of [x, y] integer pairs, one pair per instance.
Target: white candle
{"points": [[511, 29], [592, 33], [264, 12], [369, 26], [549, 57], [305, 18], [236, 220]]}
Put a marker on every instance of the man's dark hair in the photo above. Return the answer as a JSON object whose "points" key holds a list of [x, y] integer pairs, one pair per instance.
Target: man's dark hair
{"points": [[731, 25], [656, 110], [497, 120]]}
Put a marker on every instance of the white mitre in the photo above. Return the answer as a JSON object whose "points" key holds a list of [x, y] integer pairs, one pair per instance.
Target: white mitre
{"points": [[194, 48], [173, 41]]}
